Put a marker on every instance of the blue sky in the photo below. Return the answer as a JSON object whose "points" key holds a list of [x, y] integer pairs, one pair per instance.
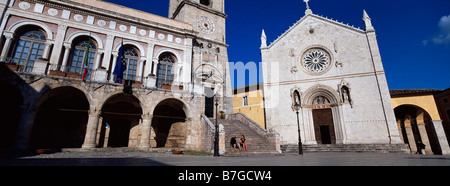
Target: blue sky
{"points": [[413, 35]]}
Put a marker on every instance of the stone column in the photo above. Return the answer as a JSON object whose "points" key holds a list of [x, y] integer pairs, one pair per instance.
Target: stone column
{"points": [[155, 66], [57, 47], [307, 118], [140, 72], [425, 139], [222, 140], [115, 55], [67, 47], [145, 133], [91, 131], [440, 134], [97, 59], [107, 131], [149, 66], [9, 38], [411, 140], [47, 49], [108, 51]]}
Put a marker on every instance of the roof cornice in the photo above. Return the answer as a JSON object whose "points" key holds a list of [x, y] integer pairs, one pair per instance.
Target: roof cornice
{"points": [[331, 21]]}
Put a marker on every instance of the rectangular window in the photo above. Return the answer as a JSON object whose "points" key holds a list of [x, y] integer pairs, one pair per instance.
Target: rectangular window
{"points": [[245, 101]]}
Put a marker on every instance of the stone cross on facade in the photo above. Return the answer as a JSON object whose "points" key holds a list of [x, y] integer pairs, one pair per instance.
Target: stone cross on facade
{"points": [[307, 5], [308, 11]]}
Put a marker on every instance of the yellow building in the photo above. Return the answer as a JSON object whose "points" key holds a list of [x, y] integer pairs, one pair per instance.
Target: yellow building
{"points": [[249, 101], [418, 120]]}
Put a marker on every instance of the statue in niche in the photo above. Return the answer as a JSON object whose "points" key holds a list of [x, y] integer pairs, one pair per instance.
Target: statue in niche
{"points": [[346, 95]]}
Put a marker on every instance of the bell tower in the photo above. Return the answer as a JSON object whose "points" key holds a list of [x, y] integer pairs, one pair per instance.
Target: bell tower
{"points": [[210, 56], [206, 16]]}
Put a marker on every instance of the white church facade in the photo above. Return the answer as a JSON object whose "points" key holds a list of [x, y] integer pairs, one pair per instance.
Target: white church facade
{"points": [[334, 73]]}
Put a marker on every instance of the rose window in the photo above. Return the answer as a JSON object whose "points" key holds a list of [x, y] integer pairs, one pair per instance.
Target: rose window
{"points": [[316, 60]]}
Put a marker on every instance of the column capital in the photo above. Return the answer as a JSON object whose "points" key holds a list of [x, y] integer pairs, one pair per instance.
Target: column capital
{"points": [[110, 37], [147, 116], [100, 51], [62, 27], [8, 35], [67, 45]]}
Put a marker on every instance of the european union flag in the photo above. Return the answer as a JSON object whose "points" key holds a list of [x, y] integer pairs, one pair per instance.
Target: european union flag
{"points": [[121, 65]]}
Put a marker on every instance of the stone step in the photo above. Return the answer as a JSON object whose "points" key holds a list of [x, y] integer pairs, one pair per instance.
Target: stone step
{"points": [[256, 143], [359, 148]]}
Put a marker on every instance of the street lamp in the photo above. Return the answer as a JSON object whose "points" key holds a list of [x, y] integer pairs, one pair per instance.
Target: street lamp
{"points": [[300, 148], [216, 135]]}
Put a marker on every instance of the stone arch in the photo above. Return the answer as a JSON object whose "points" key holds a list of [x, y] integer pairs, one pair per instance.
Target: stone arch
{"points": [[121, 115], [75, 35], [171, 51], [324, 121], [133, 43], [416, 127], [61, 119], [321, 90], [19, 24]]}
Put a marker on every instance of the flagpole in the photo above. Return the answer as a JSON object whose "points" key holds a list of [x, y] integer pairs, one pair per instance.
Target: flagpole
{"points": [[120, 65], [86, 57]]}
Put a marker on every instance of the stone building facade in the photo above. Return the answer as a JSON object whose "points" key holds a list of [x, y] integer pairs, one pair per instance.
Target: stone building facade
{"points": [[334, 74], [249, 100], [176, 67]]}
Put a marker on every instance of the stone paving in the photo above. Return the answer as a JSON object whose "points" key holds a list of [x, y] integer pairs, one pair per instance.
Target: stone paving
{"points": [[139, 158]]}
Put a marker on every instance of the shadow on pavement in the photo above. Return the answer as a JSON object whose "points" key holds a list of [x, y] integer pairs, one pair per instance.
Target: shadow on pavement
{"points": [[80, 162]]}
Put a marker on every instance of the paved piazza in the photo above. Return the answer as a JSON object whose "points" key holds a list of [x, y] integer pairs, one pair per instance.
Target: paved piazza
{"points": [[138, 158]]}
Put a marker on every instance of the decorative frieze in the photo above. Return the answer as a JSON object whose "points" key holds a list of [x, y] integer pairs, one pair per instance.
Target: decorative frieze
{"points": [[94, 19]]}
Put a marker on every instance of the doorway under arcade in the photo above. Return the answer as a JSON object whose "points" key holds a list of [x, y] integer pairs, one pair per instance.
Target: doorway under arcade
{"points": [[169, 125], [119, 127]]}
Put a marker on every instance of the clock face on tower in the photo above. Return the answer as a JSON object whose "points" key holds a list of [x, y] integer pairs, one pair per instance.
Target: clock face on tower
{"points": [[206, 25]]}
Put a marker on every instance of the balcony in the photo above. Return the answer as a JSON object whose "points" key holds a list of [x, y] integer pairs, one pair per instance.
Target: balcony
{"points": [[42, 68]]}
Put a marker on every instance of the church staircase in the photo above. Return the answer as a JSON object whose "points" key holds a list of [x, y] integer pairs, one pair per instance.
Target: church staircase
{"points": [[257, 139], [355, 148]]}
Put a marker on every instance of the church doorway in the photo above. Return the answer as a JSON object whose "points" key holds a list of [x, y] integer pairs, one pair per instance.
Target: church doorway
{"points": [[209, 102], [121, 115], [61, 119], [169, 124], [323, 121]]}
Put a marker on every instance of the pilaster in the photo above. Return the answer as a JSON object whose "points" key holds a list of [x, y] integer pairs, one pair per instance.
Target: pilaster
{"points": [[145, 133], [91, 131], [441, 137], [59, 41]]}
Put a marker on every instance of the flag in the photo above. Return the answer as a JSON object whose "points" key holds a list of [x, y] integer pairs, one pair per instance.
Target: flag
{"points": [[121, 65], [86, 59]]}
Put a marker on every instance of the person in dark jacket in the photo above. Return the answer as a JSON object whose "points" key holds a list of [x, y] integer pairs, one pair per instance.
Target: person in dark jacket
{"points": [[234, 144]]}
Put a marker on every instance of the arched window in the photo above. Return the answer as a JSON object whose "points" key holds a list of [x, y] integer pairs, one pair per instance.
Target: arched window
{"points": [[29, 48], [165, 74], [80, 59], [131, 59]]}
